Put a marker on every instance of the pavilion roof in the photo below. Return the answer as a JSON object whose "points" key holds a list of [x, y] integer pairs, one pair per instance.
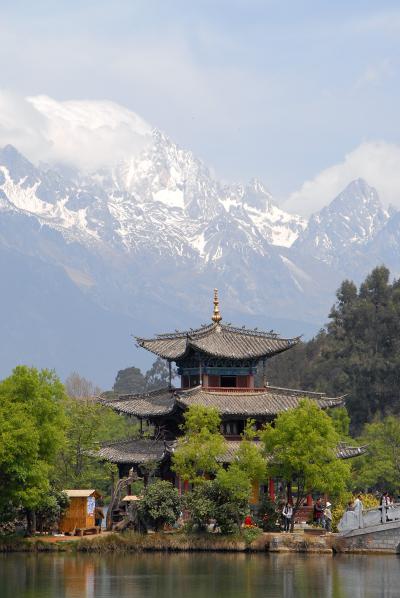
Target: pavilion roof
{"points": [[268, 401], [154, 403], [218, 340], [140, 451]]}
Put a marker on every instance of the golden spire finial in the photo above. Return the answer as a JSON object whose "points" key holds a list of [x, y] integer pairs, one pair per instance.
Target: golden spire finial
{"points": [[216, 317]]}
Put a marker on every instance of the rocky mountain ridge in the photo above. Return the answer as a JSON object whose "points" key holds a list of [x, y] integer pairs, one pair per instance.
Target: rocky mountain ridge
{"points": [[140, 244]]}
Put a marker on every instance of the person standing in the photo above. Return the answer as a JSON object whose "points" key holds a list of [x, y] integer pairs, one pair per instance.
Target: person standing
{"points": [[328, 517], [384, 505], [318, 512], [287, 513], [358, 509]]}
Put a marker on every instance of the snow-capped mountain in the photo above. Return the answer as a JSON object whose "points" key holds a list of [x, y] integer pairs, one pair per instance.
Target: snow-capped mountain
{"points": [[90, 255], [352, 219]]}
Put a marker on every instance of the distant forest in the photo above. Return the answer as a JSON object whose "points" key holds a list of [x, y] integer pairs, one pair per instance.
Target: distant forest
{"points": [[356, 354]]}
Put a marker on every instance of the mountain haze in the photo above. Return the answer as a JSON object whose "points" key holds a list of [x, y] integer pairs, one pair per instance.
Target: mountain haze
{"points": [[89, 256]]}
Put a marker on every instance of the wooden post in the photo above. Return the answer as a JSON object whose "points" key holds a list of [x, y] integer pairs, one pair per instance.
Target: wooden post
{"points": [[309, 499], [170, 374], [264, 377]]}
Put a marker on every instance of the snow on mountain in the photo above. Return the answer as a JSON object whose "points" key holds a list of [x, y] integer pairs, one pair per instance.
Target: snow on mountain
{"points": [[152, 230], [354, 217]]}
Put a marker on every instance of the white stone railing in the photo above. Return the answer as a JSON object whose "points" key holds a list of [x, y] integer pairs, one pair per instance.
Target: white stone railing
{"points": [[352, 520]]}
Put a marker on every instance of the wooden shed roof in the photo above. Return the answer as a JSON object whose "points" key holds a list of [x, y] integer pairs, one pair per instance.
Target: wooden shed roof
{"points": [[81, 493]]}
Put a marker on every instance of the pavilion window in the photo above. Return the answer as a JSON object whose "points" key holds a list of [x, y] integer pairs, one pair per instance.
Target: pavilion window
{"points": [[231, 428], [228, 381]]}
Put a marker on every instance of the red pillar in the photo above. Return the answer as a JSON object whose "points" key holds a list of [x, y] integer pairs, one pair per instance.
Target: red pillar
{"points": [[309, 502], [271, 488]]}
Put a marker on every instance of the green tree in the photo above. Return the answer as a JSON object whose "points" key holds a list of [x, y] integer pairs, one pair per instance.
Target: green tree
{"points": [[379, 469], [249, 458], [160, 504], [358, 353], [224, 499], [31, 434], [199, 504], [88, 424], [341, 421], [230, 492], [158, 375], [196, 455], [129, 381], [301, 447]]}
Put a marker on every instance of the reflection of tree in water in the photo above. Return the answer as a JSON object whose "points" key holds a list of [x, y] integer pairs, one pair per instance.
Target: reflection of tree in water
{"points": [[198, 575]]}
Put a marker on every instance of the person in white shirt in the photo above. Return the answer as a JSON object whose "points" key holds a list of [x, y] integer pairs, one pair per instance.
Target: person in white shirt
{"points": [[287, 513], [328, 517], [358, 509]]}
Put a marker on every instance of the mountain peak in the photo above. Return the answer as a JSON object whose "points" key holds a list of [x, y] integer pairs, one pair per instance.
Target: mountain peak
{"points": [[17, 165], [353, 217]]}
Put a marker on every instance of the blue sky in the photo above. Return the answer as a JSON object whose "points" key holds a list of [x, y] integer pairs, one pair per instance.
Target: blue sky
{"points": [[279, 90]]}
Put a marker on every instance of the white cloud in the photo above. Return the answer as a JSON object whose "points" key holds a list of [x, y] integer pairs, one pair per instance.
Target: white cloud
{"points": [[376, 162], [84, 134]]}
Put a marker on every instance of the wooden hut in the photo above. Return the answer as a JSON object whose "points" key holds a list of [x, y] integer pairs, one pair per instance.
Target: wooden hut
{"points": [[80, 514]]}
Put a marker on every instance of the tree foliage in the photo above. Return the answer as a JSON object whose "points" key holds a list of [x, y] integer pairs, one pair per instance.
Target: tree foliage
{"points": [[249, 458], [32, 432], [379, 469], [224, 499], [129, 381], [87, 424], [195, 457], [78, 387], [358, 353], [301, 447], [160, 504]]}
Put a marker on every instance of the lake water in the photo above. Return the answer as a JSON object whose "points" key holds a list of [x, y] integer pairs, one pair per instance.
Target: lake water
{"points": [[198, 576]]}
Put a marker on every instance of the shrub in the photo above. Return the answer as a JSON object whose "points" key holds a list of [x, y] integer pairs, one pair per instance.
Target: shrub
{"points": [[268, 514], [230, 494], [250, 534], [200, 505], [160, 504]]}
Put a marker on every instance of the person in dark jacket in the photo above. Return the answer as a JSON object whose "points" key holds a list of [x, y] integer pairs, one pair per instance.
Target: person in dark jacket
{"points": [[319, 512], [287, 514]]}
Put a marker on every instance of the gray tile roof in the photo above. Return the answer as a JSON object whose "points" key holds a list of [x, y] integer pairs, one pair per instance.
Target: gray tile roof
{"points": [[157, 402], [139, 451], [133, 451], [265, 402], [345, 451], [218, 340]]}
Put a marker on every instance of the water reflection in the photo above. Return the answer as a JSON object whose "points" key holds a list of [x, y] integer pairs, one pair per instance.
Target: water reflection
{"points": [[198, 575]]}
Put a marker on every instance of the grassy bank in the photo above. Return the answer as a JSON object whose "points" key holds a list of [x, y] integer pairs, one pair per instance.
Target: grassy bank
{"points": [[175, 542], [19, 544], [181, 542]]}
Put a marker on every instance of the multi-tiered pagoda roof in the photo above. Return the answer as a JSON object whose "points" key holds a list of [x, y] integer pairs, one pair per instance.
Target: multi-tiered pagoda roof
{"points": [[218, 340], [243, 403], [217, 364]]}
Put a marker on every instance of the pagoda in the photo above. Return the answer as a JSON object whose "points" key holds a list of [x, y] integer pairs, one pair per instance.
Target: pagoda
{"points": [[217, 364]]}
